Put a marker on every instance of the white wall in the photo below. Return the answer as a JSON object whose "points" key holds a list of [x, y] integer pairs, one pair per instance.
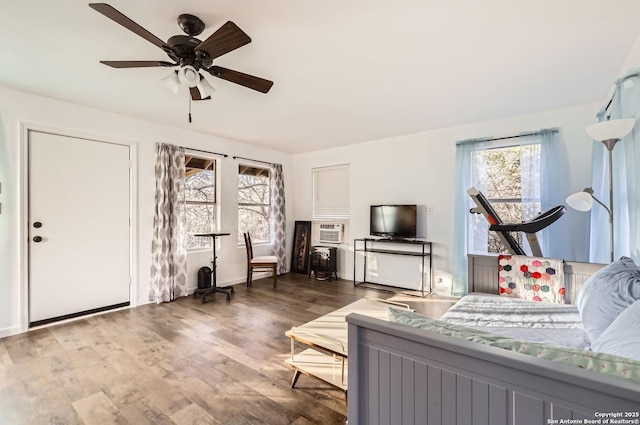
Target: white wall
{"points": [[632, 60], [416, 168], [420, 169], [19, 107]]}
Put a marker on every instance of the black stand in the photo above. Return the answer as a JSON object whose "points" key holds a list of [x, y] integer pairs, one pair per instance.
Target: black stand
{"points": [[228, 290], [323, 262], [377, 246]]}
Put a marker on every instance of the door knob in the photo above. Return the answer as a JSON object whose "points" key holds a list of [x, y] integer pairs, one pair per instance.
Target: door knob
{"points": [[37, 225], [37, 239]]}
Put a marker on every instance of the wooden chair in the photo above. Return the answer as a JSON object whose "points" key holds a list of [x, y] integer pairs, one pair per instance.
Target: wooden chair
{"points": [[260, 263]]}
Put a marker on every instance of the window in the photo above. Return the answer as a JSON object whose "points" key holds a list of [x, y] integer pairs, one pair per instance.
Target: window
{"points": [[331, 193], [200, 200], [509, 176], [254, 203]]}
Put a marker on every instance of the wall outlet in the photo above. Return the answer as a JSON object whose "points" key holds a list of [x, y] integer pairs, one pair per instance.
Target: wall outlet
{"points": [[443, 284], [429, 210]]}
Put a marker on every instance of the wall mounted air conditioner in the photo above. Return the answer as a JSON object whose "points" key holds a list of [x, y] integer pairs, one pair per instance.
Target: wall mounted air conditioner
{"points": [[330, 233]]}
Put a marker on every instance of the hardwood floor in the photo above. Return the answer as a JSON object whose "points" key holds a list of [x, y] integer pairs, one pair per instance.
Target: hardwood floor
{"points": [[181, 363]]}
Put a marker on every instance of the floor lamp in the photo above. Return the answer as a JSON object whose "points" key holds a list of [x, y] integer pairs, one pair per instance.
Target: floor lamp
{"points": [[609, 133]]}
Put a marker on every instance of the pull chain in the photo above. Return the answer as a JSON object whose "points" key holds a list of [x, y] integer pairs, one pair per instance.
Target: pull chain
{"points": [[189, 107]]}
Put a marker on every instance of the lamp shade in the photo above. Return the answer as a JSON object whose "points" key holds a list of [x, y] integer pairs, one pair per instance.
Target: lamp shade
{"points": [[581, 201], [205, 88], [189, 76], [172, 82], [611, 130]]}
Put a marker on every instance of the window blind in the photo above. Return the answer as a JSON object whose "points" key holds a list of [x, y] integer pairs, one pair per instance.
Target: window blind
{"points": [[331, 193]]}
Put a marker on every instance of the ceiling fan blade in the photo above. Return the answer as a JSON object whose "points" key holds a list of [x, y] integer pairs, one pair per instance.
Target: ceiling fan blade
{"points": [[121, 19], [195, 94], [246, 80], [227, 38], [136, 64]]}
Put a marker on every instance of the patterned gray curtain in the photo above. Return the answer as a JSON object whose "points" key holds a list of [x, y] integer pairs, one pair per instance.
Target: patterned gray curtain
{"points": [[278, 217], [169, 254]]}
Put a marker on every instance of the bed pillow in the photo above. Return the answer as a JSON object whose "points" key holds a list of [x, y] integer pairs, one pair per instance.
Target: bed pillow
{"points": [[622, 337], [606, 294], [600, 362], [531, 278]]}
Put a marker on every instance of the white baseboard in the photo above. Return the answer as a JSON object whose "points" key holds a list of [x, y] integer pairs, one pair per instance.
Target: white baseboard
{"points": [[394, 284], [5, 332], [345, 276], [231, 282], [143, 301]]}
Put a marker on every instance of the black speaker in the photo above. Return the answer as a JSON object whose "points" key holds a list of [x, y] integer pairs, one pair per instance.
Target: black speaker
{"points": [[204, 277]]}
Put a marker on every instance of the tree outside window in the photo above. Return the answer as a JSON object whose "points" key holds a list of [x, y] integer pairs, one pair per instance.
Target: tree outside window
{"points": [[510, 179], [254, 203], [200, 200]]}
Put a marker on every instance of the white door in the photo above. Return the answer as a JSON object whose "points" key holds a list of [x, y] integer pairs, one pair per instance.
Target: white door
{"points": [[79, 247]]}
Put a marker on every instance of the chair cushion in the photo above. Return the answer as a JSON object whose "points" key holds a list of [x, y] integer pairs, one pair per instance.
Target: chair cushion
{"points": [[265, 259]]}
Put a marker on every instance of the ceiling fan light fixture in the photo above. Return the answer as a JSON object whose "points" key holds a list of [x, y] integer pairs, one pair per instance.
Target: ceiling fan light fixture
{"points": [[189, 76], [172, 82], [189, 53], [206, 89]]}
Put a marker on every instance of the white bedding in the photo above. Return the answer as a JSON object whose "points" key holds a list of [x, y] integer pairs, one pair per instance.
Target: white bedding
{"points": [[557, 324]]}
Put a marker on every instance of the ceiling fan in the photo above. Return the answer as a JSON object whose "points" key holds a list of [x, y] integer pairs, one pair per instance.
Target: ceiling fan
{"points": [[190, 54]]}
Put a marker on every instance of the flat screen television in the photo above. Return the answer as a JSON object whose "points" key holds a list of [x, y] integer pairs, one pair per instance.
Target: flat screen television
{"points": [[393, 221]]}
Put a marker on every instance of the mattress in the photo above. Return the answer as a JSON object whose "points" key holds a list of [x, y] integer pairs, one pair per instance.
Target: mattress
{"points": [[556, 324]]}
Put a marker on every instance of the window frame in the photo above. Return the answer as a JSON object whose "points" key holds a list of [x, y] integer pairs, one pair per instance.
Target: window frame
{"points": [[268, 204], [216, 207]]}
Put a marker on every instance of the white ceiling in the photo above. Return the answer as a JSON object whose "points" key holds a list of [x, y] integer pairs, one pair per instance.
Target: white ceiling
{"points": [[344, 71]]}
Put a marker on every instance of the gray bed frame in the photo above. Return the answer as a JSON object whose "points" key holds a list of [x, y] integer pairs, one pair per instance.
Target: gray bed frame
{"points": [[400, 375], [483, 275]]}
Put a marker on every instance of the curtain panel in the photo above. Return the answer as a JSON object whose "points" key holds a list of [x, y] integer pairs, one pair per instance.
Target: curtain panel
{"points": [[553, 192], [626, 179], [169, 254], [541, 178], [461, 226], [277, 217]]}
